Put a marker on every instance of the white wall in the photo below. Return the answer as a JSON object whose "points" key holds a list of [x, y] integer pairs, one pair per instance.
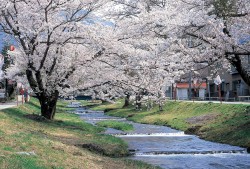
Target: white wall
{"points": [[182, 94]]}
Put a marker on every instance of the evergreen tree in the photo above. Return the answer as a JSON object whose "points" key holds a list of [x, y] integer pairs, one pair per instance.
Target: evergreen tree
{"points": [[9, 89]]}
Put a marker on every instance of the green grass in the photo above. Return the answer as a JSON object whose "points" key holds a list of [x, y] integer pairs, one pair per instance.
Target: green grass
{"points": [[22, 162], [226, 123], [116, 125], [57, 143], [106, 105]]}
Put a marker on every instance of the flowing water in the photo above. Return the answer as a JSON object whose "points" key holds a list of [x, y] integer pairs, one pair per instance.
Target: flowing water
{"points": [[172, 149]]}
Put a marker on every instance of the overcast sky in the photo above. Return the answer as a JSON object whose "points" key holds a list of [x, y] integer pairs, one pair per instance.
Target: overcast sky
{"points": [[1, 42], [3, 39]]}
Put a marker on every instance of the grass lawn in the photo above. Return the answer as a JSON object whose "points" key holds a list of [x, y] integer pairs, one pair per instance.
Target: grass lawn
{"points": [[116, 125], [226, 123], [28, 141]]}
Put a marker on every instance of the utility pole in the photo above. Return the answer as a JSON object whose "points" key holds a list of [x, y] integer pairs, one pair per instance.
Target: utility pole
{"points": [[6, 89], [190, 84], [208, 88]]}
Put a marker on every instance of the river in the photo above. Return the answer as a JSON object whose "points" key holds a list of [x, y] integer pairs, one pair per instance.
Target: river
{"points": [[172, 149]]}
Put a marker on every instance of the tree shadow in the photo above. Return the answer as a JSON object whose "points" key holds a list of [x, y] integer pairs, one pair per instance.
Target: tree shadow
{"points": [[29, 111], [34, 105]]}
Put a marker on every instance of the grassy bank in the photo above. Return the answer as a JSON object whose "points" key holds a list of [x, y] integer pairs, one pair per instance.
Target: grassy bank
{"points": [[30, 142], [223, 123], [116, 125]]}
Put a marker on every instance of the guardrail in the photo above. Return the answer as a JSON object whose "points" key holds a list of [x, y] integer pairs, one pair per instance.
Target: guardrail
{"points": [[230, 99], [244, 98], [224, 99]]}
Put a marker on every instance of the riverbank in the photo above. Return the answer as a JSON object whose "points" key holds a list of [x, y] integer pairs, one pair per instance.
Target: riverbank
{"points": [[222, 123], [30, 141]]}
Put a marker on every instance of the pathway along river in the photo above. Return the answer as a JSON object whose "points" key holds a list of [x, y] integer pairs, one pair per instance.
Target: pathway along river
{"points": [[172, 149]]}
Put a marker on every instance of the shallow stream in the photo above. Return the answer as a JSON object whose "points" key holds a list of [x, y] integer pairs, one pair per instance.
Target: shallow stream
{"points": [[172, 149]]}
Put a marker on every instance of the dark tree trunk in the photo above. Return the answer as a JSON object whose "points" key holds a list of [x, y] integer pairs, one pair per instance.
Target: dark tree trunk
{"points": [[138, 98], [11, 91], [126, 103], [236, 61], [47, 100], [160, 107], [48, 104]]}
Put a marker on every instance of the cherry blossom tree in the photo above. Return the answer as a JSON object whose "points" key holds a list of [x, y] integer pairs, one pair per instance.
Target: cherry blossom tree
{"points": [[135, 71], [220, 31], [121, 47], [208, 31], [56, 40]]}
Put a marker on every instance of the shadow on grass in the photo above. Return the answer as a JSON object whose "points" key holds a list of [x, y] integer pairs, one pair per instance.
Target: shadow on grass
{"points": [[13, 112], [31, 111], [67, 128], [34, 105]]}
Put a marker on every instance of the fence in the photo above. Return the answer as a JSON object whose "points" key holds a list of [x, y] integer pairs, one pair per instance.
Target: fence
{"points": [[230, 99], [244, 98]]}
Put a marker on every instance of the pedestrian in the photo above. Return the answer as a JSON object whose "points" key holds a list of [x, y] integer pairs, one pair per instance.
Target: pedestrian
{"points": [[26, 95], [21, 92]]}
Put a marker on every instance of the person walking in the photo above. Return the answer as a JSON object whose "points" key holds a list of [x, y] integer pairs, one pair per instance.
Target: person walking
{"points": [[26, 95]]}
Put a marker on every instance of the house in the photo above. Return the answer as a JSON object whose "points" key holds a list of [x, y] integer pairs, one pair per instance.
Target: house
{"points": [[181, 90], [232, 87]]}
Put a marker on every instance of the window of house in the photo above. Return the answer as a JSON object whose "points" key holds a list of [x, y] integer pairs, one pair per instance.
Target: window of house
{"points": [[212, 88], [236, 84], [223, 86]]}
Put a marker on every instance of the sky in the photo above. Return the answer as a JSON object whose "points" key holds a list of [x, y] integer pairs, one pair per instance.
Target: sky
{"points": [[1, 42], [89, 21]]}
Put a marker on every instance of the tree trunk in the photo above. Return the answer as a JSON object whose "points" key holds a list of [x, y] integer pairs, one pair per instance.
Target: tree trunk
{"points": [[160, 107], [11, 91], [47, 100], [138, 101], [126, 104], [237, 62], [48, 104]]}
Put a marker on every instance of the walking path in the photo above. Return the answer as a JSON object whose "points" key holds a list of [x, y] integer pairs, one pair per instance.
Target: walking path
{"points": [[7, 105]]}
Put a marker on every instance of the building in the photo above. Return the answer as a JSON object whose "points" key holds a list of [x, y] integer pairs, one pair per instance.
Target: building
{"points": [[232, 87], [181, 91]]}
